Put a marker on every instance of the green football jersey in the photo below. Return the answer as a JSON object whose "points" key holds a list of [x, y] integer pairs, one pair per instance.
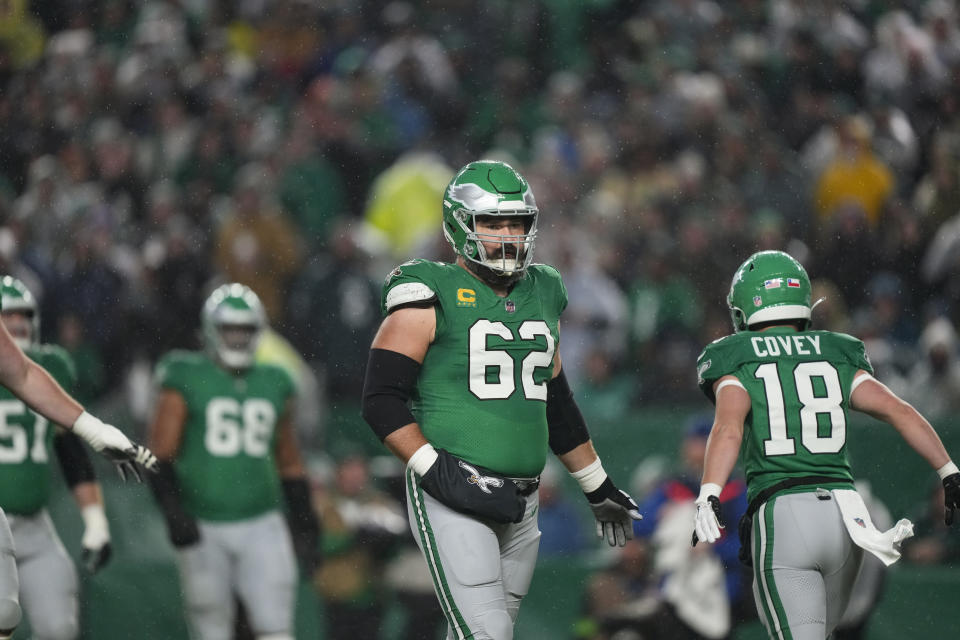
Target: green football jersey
{"points": [[799, 385], [26, 439], [482, 390], [225, 464]]}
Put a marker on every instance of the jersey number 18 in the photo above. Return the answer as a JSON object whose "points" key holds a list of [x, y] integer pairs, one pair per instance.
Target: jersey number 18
{"points": [[811, 406]]}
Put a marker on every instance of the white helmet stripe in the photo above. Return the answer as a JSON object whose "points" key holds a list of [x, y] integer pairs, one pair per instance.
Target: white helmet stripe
{"points": [[780, 312]]}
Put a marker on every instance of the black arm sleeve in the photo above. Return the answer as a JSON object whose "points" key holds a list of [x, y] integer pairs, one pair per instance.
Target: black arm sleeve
{"points": [[303, 518], [303, 522], [180, 525], [567, 427], [73, 458], [389, 382]]}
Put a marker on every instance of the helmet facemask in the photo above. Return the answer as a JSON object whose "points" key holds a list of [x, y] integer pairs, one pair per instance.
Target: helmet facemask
{"points": [[233, 321]]}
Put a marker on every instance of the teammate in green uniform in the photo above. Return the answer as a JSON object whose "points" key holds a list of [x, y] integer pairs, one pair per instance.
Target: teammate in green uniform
{"points": [[223, 434], [30, 383], [464, 384], [48, 580], [782, 393]]}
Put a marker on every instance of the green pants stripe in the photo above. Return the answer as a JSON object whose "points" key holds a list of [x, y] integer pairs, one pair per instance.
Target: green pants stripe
{"points": [[776, 615], [425, 531]]}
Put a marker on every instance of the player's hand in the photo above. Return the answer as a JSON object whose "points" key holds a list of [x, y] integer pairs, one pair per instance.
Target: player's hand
{"points": [[951, 497], [615, 512], [707, 522], [109, 441], [473, 490], [95, 544]]}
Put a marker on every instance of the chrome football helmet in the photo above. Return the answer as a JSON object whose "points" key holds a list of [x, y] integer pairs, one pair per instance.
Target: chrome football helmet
{"points": [[233, 321], [490, 188], [17, 298]]}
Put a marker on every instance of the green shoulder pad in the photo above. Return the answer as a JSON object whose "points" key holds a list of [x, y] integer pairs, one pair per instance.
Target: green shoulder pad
{"points": [[854, 350], [58, 363], [412, 282], [550, 283], [716, 361], [173, 369]]}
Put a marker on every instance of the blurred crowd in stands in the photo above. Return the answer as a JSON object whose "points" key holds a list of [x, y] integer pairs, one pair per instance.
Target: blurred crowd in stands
{"points": [[151, 149]]}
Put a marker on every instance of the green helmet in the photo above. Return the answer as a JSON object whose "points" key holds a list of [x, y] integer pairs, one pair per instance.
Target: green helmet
{"points": [[233, 306], [769, 285], [16, 297], [490, 188]]}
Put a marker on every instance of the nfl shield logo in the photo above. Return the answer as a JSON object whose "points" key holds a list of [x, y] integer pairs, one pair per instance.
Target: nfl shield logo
{"points": [[860, 522], [509, 306], [757, 301]]}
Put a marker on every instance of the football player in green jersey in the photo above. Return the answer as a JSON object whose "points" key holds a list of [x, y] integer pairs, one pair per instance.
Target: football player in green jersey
{"points": [[48, 580], [464, 384], [223, 433], [30, 383], [783, 393]]}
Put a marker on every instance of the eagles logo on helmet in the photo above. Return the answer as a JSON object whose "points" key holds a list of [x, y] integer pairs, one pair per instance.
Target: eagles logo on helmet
{"points": [[490, 188], [233, 321]]}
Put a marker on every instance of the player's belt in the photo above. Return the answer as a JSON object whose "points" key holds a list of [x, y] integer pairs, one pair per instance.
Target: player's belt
{"points": [[526, 486]]}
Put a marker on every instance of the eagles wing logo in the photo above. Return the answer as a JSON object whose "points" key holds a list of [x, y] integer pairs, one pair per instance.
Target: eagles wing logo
{"points": [[480, 480], [702, 369], [473, 197]]}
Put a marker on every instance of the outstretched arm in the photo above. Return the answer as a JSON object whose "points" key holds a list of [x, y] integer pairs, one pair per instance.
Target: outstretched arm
{"points": [[32, 384], [874, 398], [37, 388]]}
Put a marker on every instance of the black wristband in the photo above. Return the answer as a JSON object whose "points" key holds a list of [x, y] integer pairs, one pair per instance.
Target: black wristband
{"points": [[73, 458], [389, 382], [567, 428], [302, 517], [602, 492]]}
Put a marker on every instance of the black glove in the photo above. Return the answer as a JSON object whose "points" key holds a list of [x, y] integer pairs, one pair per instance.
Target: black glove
{"points": [[181, 526], [951, 497], [615, 512], [128, 461], [473, 490], [304, 524]]}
